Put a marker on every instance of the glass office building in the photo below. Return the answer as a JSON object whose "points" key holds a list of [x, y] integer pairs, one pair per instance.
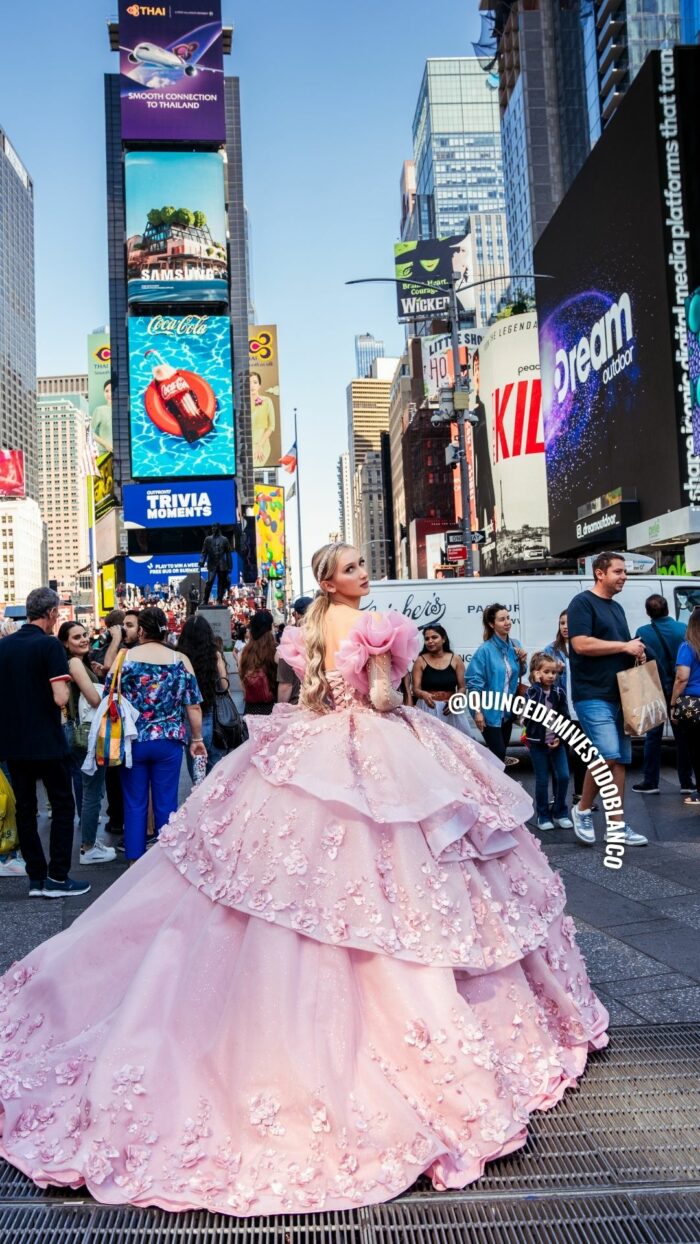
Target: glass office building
{"points": [[626, 32], [543, 104], [17, 311], [367, 349], [457, 146]]}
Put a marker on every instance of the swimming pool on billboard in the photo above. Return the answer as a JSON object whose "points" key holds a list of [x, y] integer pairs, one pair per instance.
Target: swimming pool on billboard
{"points": [[181, 396]]}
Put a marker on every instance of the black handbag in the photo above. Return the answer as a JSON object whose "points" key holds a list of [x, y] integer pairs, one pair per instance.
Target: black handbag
{"points": [[229, 729], [687, 709]]}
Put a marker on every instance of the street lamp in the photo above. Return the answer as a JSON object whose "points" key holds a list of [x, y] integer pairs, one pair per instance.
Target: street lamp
{"points": [[460, 413]]}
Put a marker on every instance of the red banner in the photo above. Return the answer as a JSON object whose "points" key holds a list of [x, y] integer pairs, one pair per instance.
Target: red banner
{"points": [[11, 473]]}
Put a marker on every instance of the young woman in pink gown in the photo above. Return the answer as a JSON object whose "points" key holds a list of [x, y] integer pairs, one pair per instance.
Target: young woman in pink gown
{"points": [[346, 963]]}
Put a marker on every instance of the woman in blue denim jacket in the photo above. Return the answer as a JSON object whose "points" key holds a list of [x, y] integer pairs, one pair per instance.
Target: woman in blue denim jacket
{"points": [[497, 666]]}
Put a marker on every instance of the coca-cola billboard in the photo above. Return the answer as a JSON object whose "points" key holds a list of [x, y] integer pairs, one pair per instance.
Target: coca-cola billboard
{"points": [[509, 463], [181, 397]]}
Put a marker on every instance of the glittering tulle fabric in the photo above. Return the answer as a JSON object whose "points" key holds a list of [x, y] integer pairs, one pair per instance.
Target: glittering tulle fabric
{"points": [[345, 964]]}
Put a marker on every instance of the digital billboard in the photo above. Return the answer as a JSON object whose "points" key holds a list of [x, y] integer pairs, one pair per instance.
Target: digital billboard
{"points": [[194, 504], [171, 72], [269, 530], [99, 373], [431, 262], [264, 394], [164, 570], [693, 330], [103, 485], [613, 345], [12, 473], [508, 446], [436, 354], [181, 396], [175, 227]]}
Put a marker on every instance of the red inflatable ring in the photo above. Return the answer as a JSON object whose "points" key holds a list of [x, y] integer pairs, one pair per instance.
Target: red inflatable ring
{"points": [[158, 412]]}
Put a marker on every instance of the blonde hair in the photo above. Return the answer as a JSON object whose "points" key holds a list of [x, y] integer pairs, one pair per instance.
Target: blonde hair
{"points": [[316, 692]]}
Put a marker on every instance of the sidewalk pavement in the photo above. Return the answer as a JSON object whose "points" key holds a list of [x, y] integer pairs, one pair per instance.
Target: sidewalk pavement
{"points": [[637, 926]]}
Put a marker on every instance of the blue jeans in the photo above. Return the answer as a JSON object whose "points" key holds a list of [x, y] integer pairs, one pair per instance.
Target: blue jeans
{"points": [[155, 767], [75, 774], [546, 760], [214, 755], [93, 790]]}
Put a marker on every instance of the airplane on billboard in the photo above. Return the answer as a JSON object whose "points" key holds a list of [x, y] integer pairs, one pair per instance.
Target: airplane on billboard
{"points": [[157, 66]]}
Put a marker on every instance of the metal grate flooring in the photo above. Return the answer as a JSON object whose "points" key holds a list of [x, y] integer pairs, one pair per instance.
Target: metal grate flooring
{"points": [[616, 1162]]}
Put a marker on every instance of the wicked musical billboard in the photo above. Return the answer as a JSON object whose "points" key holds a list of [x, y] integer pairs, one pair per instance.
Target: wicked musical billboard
{"points": [[171, 72], [424, 273], [175, 227], [181, 397]]}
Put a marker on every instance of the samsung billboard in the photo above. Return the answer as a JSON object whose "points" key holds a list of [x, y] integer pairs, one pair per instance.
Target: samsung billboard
{"points": [[612, 326]]}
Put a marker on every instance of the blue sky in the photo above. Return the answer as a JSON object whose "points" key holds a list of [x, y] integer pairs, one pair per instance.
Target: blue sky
{"points": [[190, 179], [328, 93]]}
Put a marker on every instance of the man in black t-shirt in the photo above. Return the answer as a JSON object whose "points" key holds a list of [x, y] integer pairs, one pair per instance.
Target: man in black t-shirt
{"points": [[36, 684], [599, 648]]}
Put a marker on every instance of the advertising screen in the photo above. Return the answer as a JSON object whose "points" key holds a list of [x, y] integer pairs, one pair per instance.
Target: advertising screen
{"points": [[264, 394], [508, 445], [269, 530], [181, 396], [438, 372], [160, 571], [103, 485], [194, 504], [11, 473], [175, 227], [431, 262], [171, 72], [99, 372], [693, 329], [616, 395]]}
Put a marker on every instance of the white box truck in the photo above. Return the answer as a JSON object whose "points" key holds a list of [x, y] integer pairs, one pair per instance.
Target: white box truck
{"points": [[534, 602]]}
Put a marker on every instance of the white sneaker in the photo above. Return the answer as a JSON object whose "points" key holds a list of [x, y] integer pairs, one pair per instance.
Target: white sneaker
{"points": [[583, 826], [563, 822], [99, 854], [545, 823], [633, 839], [12, 868]]}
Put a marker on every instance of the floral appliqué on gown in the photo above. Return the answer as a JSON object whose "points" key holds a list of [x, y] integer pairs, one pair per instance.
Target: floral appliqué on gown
{"points": [[346, 963]]}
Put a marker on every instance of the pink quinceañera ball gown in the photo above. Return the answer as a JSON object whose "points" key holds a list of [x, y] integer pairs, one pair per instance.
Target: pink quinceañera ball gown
{"points": [[346, 963]]}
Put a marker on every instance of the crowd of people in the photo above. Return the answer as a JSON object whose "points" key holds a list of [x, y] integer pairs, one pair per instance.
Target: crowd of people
{"points": [[167, 666]]}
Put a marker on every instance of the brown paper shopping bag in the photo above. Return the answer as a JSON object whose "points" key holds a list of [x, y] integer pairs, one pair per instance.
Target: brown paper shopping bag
{"points": [[643, 700]]}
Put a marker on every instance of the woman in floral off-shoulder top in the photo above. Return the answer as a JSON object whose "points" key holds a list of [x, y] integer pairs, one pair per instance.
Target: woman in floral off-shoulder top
{"points": [[345, 964]]}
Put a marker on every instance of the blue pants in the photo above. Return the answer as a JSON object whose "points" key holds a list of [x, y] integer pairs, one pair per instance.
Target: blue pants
{"points": [[546, 760], [93, 790], [155, 767]]}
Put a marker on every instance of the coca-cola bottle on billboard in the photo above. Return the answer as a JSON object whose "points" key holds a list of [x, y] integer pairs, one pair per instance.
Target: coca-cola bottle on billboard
{"points": [[179, 398]]}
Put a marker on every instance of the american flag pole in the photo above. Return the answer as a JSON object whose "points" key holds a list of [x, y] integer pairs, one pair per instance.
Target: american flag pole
{"points": [[89, 470]]}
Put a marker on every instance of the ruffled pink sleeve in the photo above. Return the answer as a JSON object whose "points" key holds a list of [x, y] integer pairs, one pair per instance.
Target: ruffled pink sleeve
{"points": [[292, 649], [373, 635]]}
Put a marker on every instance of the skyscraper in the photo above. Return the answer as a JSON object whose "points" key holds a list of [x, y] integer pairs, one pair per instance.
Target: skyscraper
{"points": [[544, 113], [345, 514], [17, 311], [368, 416], [61, 423], [367, 349], [238, 280], [456, 146], [626, 32]]}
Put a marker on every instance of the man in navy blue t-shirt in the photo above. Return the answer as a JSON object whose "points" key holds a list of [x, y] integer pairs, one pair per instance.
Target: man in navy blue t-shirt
{"points": [[36, 685], [599, 648]]}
